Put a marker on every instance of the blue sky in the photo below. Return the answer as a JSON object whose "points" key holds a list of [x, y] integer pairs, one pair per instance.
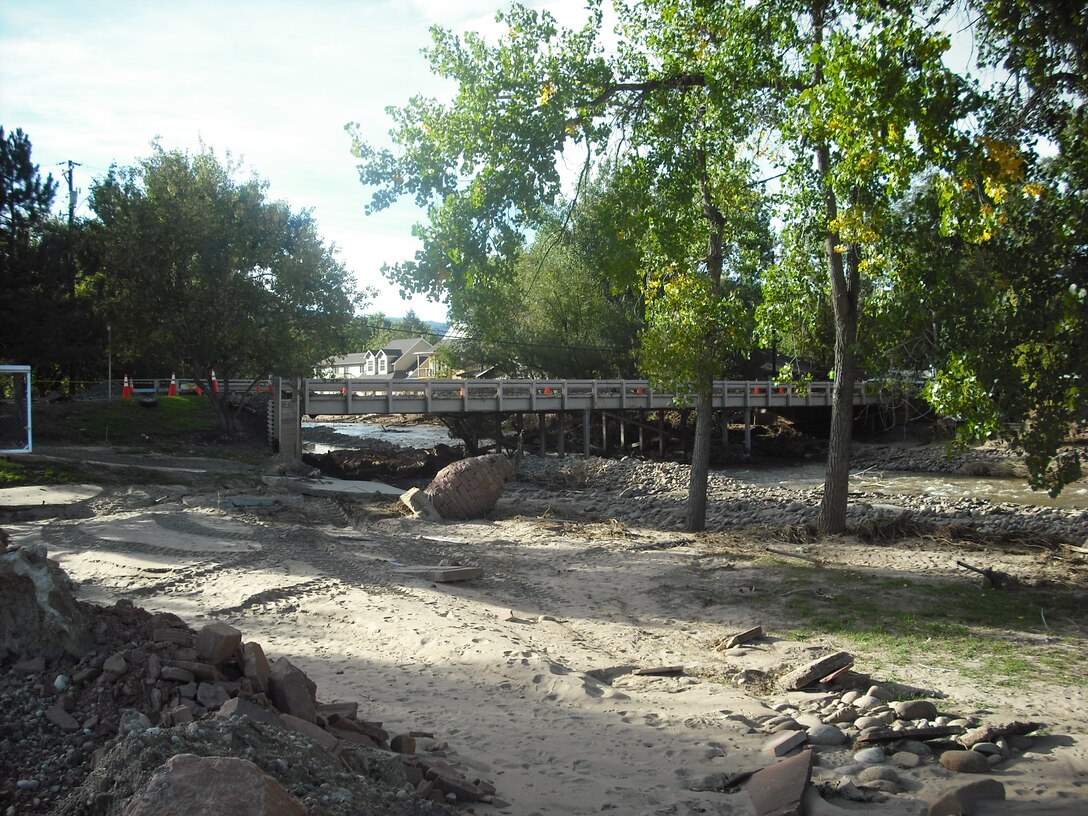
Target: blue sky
{"points": [[272, 82]]}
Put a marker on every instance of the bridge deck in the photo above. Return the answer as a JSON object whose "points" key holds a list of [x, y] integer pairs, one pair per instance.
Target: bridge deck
{"points": [[426, 396]]}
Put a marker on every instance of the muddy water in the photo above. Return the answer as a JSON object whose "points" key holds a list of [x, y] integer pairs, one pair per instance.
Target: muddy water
{"points": [[795, 476]]}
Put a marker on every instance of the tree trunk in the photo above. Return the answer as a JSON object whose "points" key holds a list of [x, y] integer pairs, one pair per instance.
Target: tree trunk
{"points": [[700, 461], [220, 402], [704, 417], [832, 515], [845, 281]]}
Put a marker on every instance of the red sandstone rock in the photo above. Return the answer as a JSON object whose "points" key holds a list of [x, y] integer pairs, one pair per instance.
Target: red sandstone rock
{"points": [[314, 732], [61, 718], [965, 762], [255, 666], [291, 691], [189, 784], [470, 488], [963, 801], [239, 707], [217, 643]]}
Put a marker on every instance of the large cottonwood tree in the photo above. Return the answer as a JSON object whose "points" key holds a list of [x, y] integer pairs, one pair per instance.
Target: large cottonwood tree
{"points": [[851, 97], [484, 164]]}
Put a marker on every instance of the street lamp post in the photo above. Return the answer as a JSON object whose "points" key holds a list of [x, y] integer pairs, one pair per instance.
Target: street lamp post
{"points": [[109, 362]]}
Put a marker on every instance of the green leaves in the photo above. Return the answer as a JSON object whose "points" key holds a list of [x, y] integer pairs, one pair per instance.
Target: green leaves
{"points": [[200, 270]]}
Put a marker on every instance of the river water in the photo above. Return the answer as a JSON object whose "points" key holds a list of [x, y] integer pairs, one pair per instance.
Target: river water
{"points": [[794, 476], [938, 485]]}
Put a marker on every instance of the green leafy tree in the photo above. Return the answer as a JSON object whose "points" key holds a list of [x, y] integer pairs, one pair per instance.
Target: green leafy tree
{"points": [[47, 314], [485, 164], [566, 309], [25, 202], [25, 199], [411, 326], [200, 271], [856, 100], [984, 280], [368, 331]]}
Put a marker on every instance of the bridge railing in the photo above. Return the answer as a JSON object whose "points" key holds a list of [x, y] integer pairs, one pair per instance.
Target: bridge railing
{"points": [[436, 396]]}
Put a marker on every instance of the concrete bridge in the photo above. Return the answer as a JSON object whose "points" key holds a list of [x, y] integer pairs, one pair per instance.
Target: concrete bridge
{"points": [[623, 401]]}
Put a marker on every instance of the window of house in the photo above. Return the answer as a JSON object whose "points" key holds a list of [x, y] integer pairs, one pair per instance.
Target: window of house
{"points": [[383, 366], [369, 365]]}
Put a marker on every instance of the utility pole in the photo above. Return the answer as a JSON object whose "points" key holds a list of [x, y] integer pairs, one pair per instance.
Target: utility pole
{"points": [[70, 177]]}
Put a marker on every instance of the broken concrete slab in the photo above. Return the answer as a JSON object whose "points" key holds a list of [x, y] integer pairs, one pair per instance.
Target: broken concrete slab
{"points": [[34, 496], [331, 487], [441, 574], [419, 502]]}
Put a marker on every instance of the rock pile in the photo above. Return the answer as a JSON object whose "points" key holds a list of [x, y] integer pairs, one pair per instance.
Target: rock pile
{"points": [[652, 494], [37, 609], [869, 741], [145, 676]]}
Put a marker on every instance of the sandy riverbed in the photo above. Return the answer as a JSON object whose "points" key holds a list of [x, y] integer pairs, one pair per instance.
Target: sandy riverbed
{"points": [[526, 675]]}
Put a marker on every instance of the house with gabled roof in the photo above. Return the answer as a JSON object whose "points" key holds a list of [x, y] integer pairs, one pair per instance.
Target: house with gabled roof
{"points": [[397, 359]]}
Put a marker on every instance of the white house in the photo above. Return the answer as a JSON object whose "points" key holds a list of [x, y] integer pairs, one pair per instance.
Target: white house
{"points": [[398, 359]]}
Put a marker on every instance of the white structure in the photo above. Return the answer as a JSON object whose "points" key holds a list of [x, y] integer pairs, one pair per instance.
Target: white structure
{"points": [[16, 427], [398, 359]]}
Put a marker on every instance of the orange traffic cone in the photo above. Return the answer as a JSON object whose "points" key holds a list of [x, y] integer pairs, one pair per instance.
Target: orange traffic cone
{"points": [[215, 383], [173, 392], [126, 389]]}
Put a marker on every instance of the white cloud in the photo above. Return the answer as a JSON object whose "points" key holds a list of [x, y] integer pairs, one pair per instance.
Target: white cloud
{"points": [[272, 81]]}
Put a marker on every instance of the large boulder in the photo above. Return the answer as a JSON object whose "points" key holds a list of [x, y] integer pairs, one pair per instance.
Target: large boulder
{"points": [[39, 615], [470, 488], [189, 784]]}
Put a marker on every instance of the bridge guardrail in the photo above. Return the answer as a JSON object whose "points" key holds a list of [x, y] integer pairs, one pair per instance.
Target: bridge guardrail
{"points": [[447, 396]]}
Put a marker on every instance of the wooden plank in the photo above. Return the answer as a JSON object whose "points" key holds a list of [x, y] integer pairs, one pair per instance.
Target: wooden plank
{"points": [[653, 671], [441, 574], [810, 672], [739, 638], [927, 733]]}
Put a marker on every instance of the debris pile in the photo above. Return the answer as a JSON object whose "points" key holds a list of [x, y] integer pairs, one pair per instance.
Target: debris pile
{"points": [[870, 739], [149, 685]]}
